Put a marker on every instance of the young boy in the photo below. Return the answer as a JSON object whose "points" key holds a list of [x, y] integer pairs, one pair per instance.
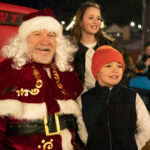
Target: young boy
{"points": [[115, 116]]}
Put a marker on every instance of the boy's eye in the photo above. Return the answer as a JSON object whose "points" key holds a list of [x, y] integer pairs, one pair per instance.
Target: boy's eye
{"points": [[119, 66], [90, 17], [108, 65]]}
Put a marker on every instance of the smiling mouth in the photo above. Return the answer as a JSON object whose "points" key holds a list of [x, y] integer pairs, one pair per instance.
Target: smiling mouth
{"points": [[45, 49], [114, 77], [94, 27]]}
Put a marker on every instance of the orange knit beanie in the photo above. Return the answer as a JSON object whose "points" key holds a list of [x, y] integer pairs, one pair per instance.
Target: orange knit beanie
{"points": [[103, 55]]}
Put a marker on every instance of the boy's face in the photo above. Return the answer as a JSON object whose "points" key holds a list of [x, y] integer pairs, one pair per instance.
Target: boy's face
{"points": [[110, 74]]}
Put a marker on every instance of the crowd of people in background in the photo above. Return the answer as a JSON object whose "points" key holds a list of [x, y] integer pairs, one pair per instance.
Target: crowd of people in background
{"points": [[76, 93], [140, 79]]}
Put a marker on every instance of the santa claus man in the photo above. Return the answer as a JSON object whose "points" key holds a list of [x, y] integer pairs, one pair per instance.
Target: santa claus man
{"points": [[39, 107]]}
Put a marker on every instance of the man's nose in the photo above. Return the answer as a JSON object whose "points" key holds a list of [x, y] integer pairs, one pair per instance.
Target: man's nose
{"points": [[45, 40]]}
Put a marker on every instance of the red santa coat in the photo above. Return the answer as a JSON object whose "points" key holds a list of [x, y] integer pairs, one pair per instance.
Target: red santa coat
{"points": [[31, 93]]}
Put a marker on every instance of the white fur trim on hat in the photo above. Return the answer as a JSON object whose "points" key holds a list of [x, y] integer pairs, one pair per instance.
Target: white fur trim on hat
{"points": [[39, 23]]}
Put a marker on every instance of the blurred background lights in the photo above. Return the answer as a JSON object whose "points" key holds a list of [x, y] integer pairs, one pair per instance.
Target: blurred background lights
{"points": [[102, 25], [62, 22], [71, 24], [132, 23], [139, 26]]}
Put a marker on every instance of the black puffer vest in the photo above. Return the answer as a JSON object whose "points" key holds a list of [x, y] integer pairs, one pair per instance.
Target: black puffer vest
{"points": [[110, 118]]}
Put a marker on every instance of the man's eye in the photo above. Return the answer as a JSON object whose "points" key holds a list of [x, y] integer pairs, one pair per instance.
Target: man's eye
{"points": [[52, 35], [36, 34]]}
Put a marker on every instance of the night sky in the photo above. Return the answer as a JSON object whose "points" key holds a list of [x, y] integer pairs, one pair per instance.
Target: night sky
{"points": [[121, 12]]}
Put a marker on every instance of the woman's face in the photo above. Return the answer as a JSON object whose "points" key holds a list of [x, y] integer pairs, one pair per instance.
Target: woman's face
{"points": [[91, 21]]}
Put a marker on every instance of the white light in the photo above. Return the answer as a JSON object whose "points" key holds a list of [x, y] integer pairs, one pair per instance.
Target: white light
{"points": [[102, 24], [71, 24], [139, 26], [132, 24], [62, 22], [118, 34], [148, 30]]}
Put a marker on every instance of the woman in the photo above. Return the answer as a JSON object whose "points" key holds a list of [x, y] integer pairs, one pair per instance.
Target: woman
{"points": [[88, 35]]}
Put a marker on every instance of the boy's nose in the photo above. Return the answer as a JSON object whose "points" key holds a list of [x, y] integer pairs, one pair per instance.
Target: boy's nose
{"points": [[115, 69]]}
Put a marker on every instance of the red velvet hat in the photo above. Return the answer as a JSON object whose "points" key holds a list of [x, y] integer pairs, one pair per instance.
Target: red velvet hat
{"points": [[103, 55], [44, 12]]}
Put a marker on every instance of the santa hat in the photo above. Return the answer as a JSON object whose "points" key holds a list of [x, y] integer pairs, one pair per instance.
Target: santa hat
{"points": [[43, 19], [104, 55]]}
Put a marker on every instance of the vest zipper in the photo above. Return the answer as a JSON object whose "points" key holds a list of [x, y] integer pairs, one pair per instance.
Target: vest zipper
{"points": [[108, 122]]}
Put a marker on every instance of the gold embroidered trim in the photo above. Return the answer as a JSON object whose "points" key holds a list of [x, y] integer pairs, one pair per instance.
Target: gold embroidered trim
{"points": [[46, 145], [57, 78], [38, 85]]}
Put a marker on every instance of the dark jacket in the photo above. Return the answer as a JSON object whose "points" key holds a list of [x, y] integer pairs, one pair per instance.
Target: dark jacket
{"points": [[110, 118], [79, 61]]}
